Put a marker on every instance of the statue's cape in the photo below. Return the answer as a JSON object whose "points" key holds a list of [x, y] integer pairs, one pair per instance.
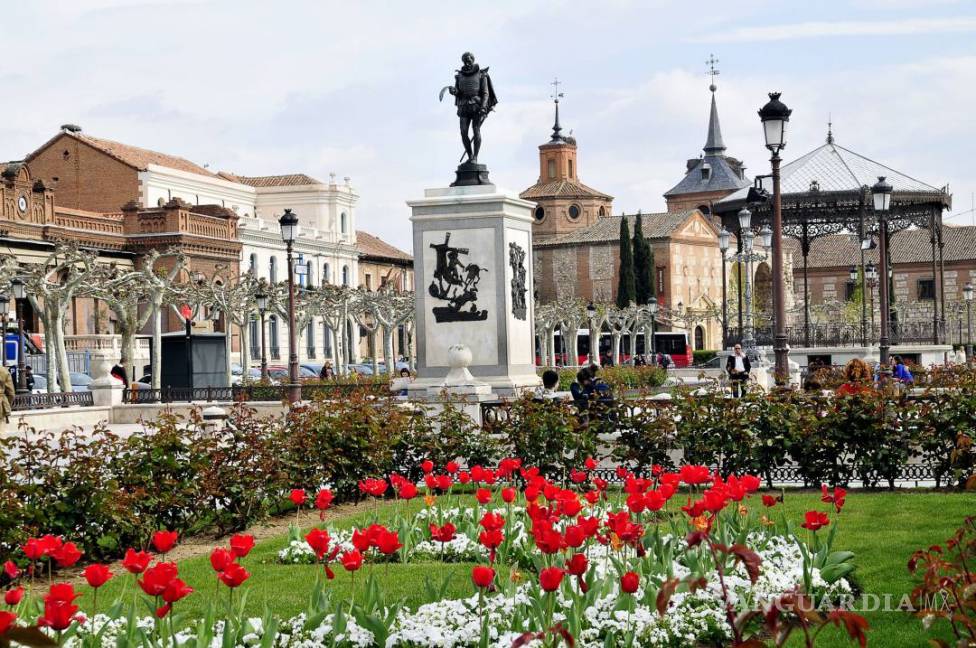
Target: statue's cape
{"points": [[492, 99]]}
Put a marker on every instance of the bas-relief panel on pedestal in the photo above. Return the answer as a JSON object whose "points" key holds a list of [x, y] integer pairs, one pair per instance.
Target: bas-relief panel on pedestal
{"points": [[520, 329], [564, 273], [602, 273], [460, 302]]}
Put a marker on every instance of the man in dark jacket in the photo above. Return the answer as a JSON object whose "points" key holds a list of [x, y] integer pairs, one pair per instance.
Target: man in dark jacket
{"points": [[738, 368]]}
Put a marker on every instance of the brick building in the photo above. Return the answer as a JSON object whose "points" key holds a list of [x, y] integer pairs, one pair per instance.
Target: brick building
{"points": [[382, 264], [711, 176]]}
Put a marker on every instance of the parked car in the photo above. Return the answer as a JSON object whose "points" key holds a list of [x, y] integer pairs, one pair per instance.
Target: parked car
{"points": [[715, 363], [79, 381], [280, 374], [361, 369], [40, 384]]}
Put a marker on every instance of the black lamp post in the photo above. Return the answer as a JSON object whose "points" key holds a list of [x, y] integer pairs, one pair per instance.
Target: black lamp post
{"points": [[262, 301], [723, 246], [881, 195], [775, 116], [967, 293], [4, 305], [871, 282], [289, 232], [18, 288]]}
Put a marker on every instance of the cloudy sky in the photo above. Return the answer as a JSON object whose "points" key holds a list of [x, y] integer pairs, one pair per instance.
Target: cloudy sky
{"points": [[260, 87]]}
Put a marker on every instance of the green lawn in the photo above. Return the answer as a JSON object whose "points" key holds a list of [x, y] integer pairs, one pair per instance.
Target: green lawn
{"points": [[883, 529]]}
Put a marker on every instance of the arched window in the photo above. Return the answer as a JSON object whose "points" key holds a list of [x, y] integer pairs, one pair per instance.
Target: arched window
{"points": [[344, 223], [699, 338], [345, 275], [326, 341], [309, 271], [603, 212], [273, 270], [255, 338], [273, 337], [326, 274], [310, 338], [254, 264]]}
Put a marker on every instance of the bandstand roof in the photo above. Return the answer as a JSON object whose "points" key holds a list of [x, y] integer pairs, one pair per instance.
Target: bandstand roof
{"points": [[827, 191]]}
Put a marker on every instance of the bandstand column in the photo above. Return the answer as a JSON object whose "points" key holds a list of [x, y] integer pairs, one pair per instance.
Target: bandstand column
{"points": [[883, 288], [935, 284], [941, 244], [805, 250]]}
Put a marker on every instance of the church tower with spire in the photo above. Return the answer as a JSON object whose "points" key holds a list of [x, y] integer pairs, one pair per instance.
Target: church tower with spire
{"points": [[711, 176], [563, 203]]}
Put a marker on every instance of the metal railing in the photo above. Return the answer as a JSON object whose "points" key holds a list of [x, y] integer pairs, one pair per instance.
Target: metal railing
{"points": [[78, 362], [250, 393], [843, 335], [47, 400]]}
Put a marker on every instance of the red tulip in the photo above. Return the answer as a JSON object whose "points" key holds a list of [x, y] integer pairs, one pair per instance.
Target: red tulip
{"points": [[815, 520], [33, 549], [241, 544], [388, 542], [427, 466], [6, 621], [352, 560], [577, 476], [175, 590], [694, 474], [221, 559], [550, 578], [49, 544], [318, 540], [444, 482], [490, 521], [156, 578], [590, 463], [407, 491], [482, 576], [577, 565], [59, 607], [136, 561], [97, 575], [751, 483], [11, 569], [233, 575], [629, 582], [483, 495], [323, 500], [297, 496], [452, 467], [654, 500], [508, 495], [838, 497], [163, 541], [491, 539], [13, 596], [769, 500], [464, 477], [444, 533], [67, 554]]}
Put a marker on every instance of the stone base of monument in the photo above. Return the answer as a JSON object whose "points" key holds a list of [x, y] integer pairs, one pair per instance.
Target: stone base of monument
{"points": [[473, 272], [471, 173]]}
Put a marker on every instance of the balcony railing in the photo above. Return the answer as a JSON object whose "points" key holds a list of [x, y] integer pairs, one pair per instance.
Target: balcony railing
{"points": [[251, 393]]}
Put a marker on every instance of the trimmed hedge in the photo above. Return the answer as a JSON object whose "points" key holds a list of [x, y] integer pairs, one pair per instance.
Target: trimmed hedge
{"points": [[621, 378]]}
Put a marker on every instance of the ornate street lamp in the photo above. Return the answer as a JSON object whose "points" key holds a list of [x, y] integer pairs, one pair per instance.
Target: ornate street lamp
{"points": [[723, 246], [852, 273], [18, 288], [775, 116], [766, 236], [967, 294], [289, 232], [881, 196], [262, 302], [745, 219]]}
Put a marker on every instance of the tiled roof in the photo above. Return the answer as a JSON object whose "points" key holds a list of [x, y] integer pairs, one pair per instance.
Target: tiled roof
{"points": [[907, 246], [722, 177], [288, 180], [373, 246], [607, 229], [561, 189], [139, 158], [836, 168]]}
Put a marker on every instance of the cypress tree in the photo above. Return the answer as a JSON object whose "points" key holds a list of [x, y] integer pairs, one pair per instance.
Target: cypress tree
{"points": [[626, 291], [643, 264]]}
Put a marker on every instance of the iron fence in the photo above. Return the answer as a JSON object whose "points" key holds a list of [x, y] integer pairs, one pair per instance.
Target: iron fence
{"points": [[47, 400], [250, 393], [843, 335]]}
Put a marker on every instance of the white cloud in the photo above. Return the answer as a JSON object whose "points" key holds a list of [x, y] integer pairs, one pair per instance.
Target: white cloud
{"points": [[821, 29]]}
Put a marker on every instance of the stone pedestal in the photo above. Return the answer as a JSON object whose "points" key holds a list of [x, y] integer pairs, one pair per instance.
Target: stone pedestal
{"points": [[473, 268], [106, 390]]}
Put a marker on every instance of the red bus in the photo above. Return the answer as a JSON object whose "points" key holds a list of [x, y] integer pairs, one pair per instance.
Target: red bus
{"points": [[675, 344]]}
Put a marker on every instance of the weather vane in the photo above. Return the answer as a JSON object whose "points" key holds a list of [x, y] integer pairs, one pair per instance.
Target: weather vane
{"points": [[712, 69], [556, 94]]}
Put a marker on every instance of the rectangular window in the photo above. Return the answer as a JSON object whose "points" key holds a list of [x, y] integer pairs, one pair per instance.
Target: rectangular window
{"points": [[660, 281], [369, 281], [552, 169], [570, 169], [849, 289], [926, 289]]}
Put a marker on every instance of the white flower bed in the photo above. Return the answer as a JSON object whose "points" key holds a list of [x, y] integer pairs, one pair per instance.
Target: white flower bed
{"points": [[692, 618]]}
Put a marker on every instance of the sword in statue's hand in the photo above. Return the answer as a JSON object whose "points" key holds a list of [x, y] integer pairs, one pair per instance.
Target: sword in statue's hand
{"points": [[443, 90]]}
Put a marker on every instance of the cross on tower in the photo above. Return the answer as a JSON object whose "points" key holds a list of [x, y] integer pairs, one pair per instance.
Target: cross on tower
{"points": [[556, 94], [711, 69]]}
